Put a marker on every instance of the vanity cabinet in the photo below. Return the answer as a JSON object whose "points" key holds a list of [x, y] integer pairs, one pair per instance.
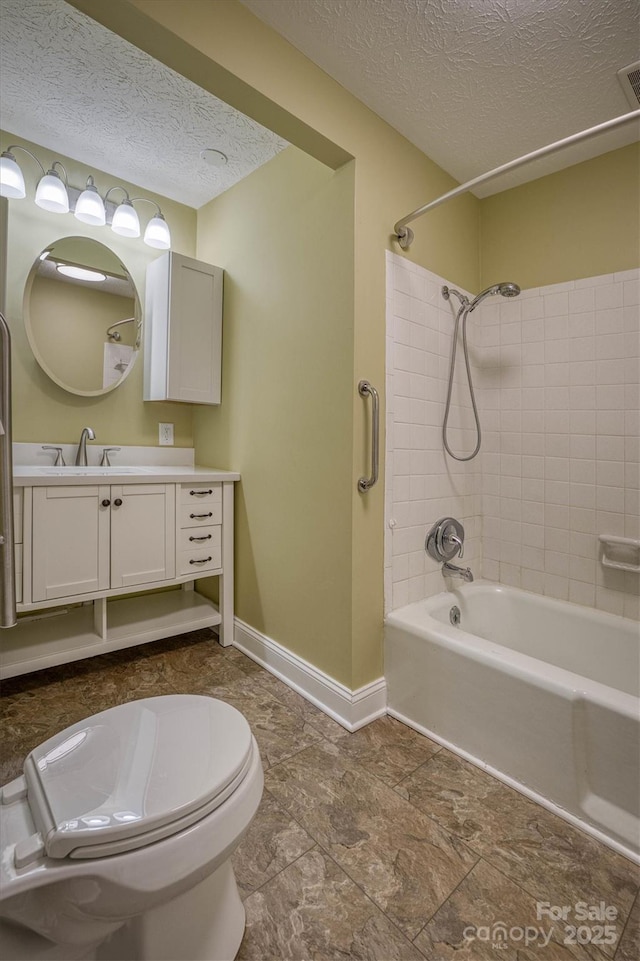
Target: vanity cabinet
{"points": [[94, 538], [88, 554], [183, 330]]}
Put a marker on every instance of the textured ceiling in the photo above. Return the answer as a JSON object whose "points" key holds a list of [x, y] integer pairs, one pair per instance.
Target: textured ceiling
{"points": [[77, 89], [475, 83]]}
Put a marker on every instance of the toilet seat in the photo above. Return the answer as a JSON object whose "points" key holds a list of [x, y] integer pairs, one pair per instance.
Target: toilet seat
{"points": [[130, 776]]}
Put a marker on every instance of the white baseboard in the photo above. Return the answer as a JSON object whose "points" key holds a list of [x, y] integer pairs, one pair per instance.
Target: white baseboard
{"points": [[351, 709]]}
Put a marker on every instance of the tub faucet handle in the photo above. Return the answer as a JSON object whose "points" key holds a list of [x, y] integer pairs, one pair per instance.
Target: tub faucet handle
{"points": [[451, 538], [445, 540]]}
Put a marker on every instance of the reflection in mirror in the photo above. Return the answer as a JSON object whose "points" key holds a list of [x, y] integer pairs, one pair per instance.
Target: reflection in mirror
{"points": [[82, 316]]}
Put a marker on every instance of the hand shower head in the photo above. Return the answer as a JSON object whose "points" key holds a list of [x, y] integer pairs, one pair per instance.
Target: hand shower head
{"points": [[505, 290], [508, 289]]}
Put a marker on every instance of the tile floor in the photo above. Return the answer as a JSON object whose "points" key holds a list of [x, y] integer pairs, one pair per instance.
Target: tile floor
{"points": [[379, 845]]}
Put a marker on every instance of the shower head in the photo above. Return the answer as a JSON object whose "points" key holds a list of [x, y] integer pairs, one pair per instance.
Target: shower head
{"points": [[505, 290]]}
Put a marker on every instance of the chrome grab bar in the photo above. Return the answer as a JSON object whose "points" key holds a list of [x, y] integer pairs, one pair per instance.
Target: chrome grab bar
{"points": [[7, 559], [365, 388]]}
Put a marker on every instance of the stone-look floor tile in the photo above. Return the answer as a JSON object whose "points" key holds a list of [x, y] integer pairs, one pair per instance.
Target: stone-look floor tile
{"points": [[15, 745], [48, 696], [629, 947], [127, 680], [403, 860], [312, 910], [280, 733], [245, 663], [458, 795], [273, 841], [197, 666], [555, 862], [313, 777], [550, 859], [388, 749], [490, 916], [317, 718]]}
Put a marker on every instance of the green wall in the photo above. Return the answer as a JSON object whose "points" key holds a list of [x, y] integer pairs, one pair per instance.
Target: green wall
{"points": [[42, 411], [580, 222], [286, 383]]}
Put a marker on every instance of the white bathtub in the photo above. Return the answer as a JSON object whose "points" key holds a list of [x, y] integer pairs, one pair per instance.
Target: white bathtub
{"points": [[541, 693]]}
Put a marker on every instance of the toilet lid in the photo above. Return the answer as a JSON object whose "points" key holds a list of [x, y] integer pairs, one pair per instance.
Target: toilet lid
{"points": [[143, 769]]}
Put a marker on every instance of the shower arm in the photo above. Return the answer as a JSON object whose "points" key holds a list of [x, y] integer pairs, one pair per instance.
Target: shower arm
{"points": [[404, 235]]}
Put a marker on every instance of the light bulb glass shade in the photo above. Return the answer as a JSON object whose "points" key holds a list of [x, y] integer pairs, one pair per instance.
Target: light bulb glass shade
{"points": [[51, 193], [157, 233], [125, 220], [90, 208], [11, 179]]}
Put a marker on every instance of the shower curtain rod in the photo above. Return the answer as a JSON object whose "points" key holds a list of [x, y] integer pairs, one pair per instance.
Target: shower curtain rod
{"points": [[404, 234]]}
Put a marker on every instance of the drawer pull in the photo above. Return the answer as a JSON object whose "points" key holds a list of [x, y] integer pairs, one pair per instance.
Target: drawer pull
{"points": [[194, 516], [118, 502], [205, 560], [105, 503], [205, 537], [200, 493]]}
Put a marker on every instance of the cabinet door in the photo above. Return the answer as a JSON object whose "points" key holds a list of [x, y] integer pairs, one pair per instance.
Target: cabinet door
{"points": [[195, 331], [143, 548], [183, 330], [70, 541]]}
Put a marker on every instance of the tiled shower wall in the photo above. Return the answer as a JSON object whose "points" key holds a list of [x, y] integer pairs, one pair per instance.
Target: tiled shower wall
{"points": [[421, 484], [557, 375]]}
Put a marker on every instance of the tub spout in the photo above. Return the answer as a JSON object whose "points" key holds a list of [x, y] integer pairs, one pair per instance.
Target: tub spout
{"points": [[453, 571]]}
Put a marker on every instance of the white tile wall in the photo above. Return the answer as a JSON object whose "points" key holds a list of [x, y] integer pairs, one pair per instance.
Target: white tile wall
{"points": [[577, 399], [557, 374], [421, 484]]}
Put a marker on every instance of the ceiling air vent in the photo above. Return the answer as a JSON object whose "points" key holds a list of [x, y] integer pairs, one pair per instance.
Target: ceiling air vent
{"points": [[629, 77]]}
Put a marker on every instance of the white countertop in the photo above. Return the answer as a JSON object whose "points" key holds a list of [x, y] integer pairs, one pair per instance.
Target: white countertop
{"points": [[26, 475]]}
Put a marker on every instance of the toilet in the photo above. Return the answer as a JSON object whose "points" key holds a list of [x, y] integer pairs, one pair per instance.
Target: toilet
{"points": [[117, 838]]}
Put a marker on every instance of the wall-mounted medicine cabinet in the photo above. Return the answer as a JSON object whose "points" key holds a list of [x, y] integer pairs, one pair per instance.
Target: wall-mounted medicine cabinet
{"points": [[183, 330]]}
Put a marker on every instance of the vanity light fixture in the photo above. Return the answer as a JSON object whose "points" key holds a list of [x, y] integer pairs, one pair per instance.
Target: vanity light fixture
{"points": [[90, 206], [52, 193], [125, 219], [157, 233], [11, 179]]}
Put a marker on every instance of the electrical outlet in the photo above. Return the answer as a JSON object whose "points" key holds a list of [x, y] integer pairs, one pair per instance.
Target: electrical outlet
{"points": [[165, 432]]}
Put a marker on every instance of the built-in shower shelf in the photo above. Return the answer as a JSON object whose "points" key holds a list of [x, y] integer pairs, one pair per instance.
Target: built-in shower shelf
{"points": [[620, 553]]}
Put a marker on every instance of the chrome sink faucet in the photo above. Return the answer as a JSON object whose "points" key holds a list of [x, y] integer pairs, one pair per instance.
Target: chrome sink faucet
{"points": [[81, 456]]}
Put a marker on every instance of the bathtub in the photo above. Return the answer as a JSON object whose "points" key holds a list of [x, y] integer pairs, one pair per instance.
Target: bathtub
{"points": [[540, 693]]}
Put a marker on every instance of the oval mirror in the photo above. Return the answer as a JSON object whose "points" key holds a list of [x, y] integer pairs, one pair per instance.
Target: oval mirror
{"points": [[82, 316]]}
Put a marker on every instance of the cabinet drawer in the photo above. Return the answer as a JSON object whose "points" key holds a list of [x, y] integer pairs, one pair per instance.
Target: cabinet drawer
{"points": [[203, 537], [200, 515], [202, 558], [200, 493]]}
